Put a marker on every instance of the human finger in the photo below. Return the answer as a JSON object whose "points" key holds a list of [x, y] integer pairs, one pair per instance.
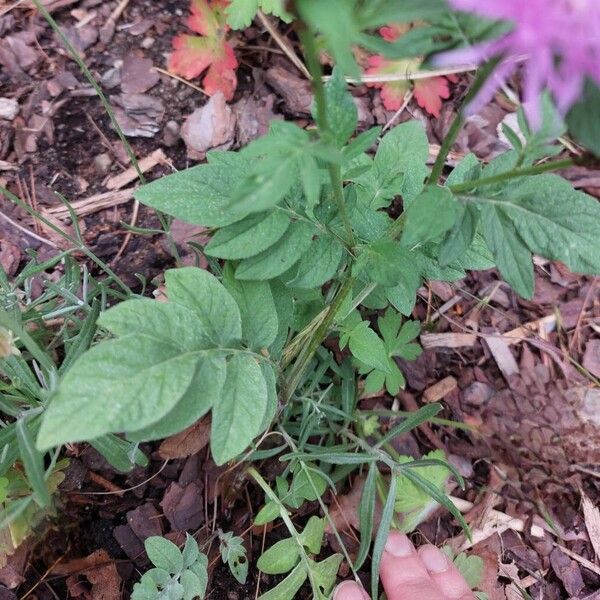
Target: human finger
{"points": [[403, 573], [445, 574], [350, 590]]}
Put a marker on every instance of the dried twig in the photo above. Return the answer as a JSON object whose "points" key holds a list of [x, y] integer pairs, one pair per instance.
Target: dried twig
{"points": [[180, 79], [26, 231], [90, 205], [283, 44]]}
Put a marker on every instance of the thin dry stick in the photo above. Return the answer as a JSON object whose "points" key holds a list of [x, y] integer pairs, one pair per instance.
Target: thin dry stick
{"points": [[180, 79], [6, 10], [26, 231], [105, 141], [407, 98], [576, 336], [134, 216], [408, 76], [283, 44], [129, 489], [42, 579]]}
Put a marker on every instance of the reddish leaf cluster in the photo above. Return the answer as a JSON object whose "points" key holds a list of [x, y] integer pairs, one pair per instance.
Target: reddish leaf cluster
{"points": [[209, 51], [428, 92]]}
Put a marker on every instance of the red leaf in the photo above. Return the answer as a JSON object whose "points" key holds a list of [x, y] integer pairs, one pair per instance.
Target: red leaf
{"points": [[430, 92], [209, 52], [390, 33], [392, 92]]}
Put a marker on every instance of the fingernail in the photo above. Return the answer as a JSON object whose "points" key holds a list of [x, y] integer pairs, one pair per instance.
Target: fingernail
{"points": [[434, 560], [399, 545], [348, 590]]}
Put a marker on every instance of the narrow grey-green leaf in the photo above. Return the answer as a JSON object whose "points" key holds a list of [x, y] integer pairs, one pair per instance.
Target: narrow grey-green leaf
{"points": [[248, 237], [238, 415], [319, 263], [382, 535], [203, 294], [120, 453], [272, 401], [366, 514], [411, 421], [33, 461], [280, 257]]}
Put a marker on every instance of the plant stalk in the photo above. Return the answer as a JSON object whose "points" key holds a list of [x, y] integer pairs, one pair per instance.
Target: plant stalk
{"points": [[440, 161], [335, 173], [534, 170]]}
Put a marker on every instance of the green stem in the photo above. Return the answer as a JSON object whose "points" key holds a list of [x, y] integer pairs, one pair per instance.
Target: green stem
{"points": [[440, 161], [534, 170], [317, 338], [335, 173]]}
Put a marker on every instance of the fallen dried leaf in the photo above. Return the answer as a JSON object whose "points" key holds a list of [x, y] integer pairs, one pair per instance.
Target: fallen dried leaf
{"points": [[591, 357], [187, 442], [440, 389], [184, 506], [137, 75], [567, 571], [209, 127], [100, 571]]}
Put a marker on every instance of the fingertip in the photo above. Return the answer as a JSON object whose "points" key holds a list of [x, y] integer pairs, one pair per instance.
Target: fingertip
{"points": [[399, 545], [445, 574], [349, 590]]}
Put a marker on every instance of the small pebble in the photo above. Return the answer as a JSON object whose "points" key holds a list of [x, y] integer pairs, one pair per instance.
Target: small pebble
{"points": [[478, 393], [171, 134], [9, 108], [147, 43]]}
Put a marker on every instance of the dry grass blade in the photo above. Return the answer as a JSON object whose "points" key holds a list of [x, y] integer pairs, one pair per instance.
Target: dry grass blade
{"points": [[591, 515]]}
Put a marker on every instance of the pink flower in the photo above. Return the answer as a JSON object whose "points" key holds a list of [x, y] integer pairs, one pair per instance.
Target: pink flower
{"points": [[558, 41]]}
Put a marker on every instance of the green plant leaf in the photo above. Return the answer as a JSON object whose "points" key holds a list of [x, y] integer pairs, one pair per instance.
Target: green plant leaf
{"points": [[137, 383], [318, 264], [164, 554], [409, 496], [191, 552], [390, 264], [341, 111], [584, 118], [241, 12], [283, 255], [233, 553], [192, 585], [238, 415], [257, 308], [120, 453], [510, 252], [401, 162], [368, 347], [269, 512], [460, 237], [470, 567], [248, 237], [203, 392], [199, 195], [307, 484], [202, 293], [324, 574], [33, 461], [288, 588], [281, 557], [432, 213], [312, 534]]}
